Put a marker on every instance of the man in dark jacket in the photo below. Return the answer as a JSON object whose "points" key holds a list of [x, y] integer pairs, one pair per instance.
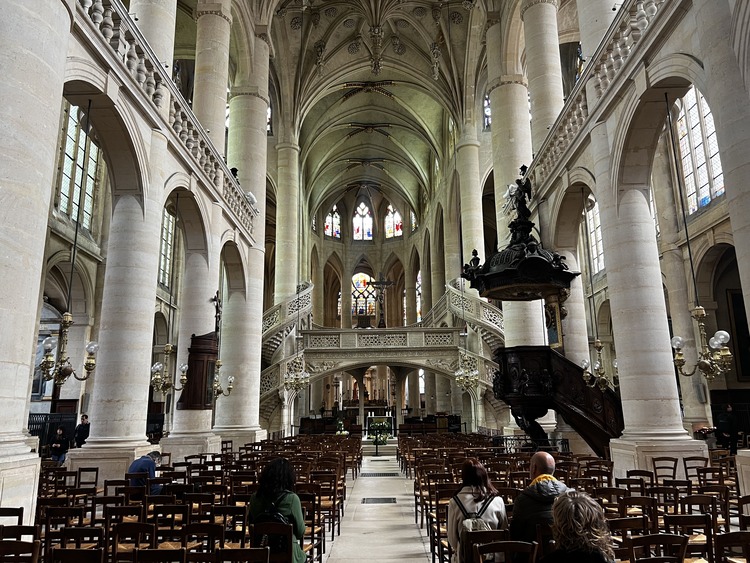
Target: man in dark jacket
{"points": [[146, 464], [534, 505]]}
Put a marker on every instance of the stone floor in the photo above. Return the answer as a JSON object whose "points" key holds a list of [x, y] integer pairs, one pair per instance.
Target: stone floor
{"points": [[378, 524]]}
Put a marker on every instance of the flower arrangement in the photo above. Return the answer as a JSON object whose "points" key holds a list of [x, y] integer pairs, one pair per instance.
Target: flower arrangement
{"points": [[379, 432], [340, 428]]}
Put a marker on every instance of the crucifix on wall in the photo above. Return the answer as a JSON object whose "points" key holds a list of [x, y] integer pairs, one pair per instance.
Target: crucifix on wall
{"points": [[380, 286]]}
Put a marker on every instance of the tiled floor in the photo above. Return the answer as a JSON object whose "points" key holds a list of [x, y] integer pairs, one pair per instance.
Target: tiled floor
{"points": [[379, 530]]}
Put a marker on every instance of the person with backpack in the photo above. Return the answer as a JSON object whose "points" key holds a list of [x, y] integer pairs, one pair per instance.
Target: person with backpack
{"points": [[275, 501], [475, 506]]}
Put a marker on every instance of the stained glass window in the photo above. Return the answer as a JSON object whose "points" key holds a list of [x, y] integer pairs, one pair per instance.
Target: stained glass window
{"points": [[333, 223], [363, 295], [419, 296], [699, 151], [362, 223], [393, 223], [487, 112]]}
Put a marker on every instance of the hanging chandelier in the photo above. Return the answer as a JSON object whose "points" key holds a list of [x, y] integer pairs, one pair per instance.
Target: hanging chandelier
{"points": [[160, 373], [714, 356]]}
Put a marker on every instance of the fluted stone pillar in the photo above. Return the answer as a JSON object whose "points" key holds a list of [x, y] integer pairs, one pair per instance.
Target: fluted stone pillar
{"points": [[674, 265], [238, 416], [650, 403], [28, 170], [472, 220], [287, 222], [214, 22], [543, 65]]}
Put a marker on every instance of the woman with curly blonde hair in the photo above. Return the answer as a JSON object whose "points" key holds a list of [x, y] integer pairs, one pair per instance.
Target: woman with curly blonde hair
{"points": [[580, 530]]}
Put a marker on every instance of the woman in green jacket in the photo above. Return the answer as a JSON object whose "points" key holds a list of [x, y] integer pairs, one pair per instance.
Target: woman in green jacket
{"points": [[275, 487]]}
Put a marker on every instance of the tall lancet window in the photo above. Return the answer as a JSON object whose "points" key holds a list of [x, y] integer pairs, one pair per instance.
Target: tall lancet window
{"points": [[362, 223], [79, 168], [699, 151], [393, 223], [333, 223], [594, 227]]}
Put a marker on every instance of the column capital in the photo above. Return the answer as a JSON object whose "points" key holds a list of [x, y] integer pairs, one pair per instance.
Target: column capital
{"points": [[248, 91], [213, 10], [263, 36], [287, 145], [531, 3], [505, 80]]}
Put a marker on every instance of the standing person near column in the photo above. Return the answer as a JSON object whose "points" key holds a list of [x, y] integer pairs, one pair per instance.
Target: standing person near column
{"points": [[59, 445], [534, 505], [82, 431], [726, 430]]}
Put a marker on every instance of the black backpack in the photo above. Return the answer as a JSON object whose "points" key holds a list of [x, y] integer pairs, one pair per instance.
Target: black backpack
{"points": [[277, 543]]}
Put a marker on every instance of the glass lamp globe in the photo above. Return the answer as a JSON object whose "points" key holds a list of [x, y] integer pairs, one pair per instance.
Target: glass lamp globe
{"points": [[49, 343], [585, 363], [157, 367], [722, 336], [677, 342], [92, 347]]}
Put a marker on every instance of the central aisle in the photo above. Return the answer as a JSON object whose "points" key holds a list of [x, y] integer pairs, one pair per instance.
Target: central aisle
{"points": [[382, 527]]}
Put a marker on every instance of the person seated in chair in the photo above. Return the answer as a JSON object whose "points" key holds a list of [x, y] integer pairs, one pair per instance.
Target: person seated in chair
{"points": [[580, 530], [146, 464]]}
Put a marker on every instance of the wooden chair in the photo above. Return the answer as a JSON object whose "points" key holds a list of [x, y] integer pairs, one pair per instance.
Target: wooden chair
{"points": [[665, 547], [684, 486], [87, 477], [743, 506], [243, 555], [479, 537], [22, 533], [11, 515], [281, 535], [732, 547], [201, 540], [691, 463], [20, 551], [636, 485], [706, 504], [723, 499], [234, 520], [128, 537], [645, 474], [622, 529], [517, 551], [169, 518], [544, 539], [637, 506], [312, 543], [76, 555], [698, 528], [609, 499], [664, 468], [160, 555]]}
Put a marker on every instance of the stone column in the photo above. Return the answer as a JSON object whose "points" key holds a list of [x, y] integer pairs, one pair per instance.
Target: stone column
{"points": [[429, 392], [442, 393], [346, 300], [673, 264], [575, 331], [594, 19], [438, 265], [318, 296], [287, 222], [472, 220], [191, 430], [361, 401], [414, 398], [542, 48], [28, 172], [238, 416], [214, 19], [156, 20], [650, 404]]}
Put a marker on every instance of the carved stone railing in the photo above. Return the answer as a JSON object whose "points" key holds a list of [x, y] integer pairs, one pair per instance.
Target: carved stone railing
{"points": [[476, 311], [272, 378], [288, 311], [434, 316], [623, 39], [109, 20]]}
